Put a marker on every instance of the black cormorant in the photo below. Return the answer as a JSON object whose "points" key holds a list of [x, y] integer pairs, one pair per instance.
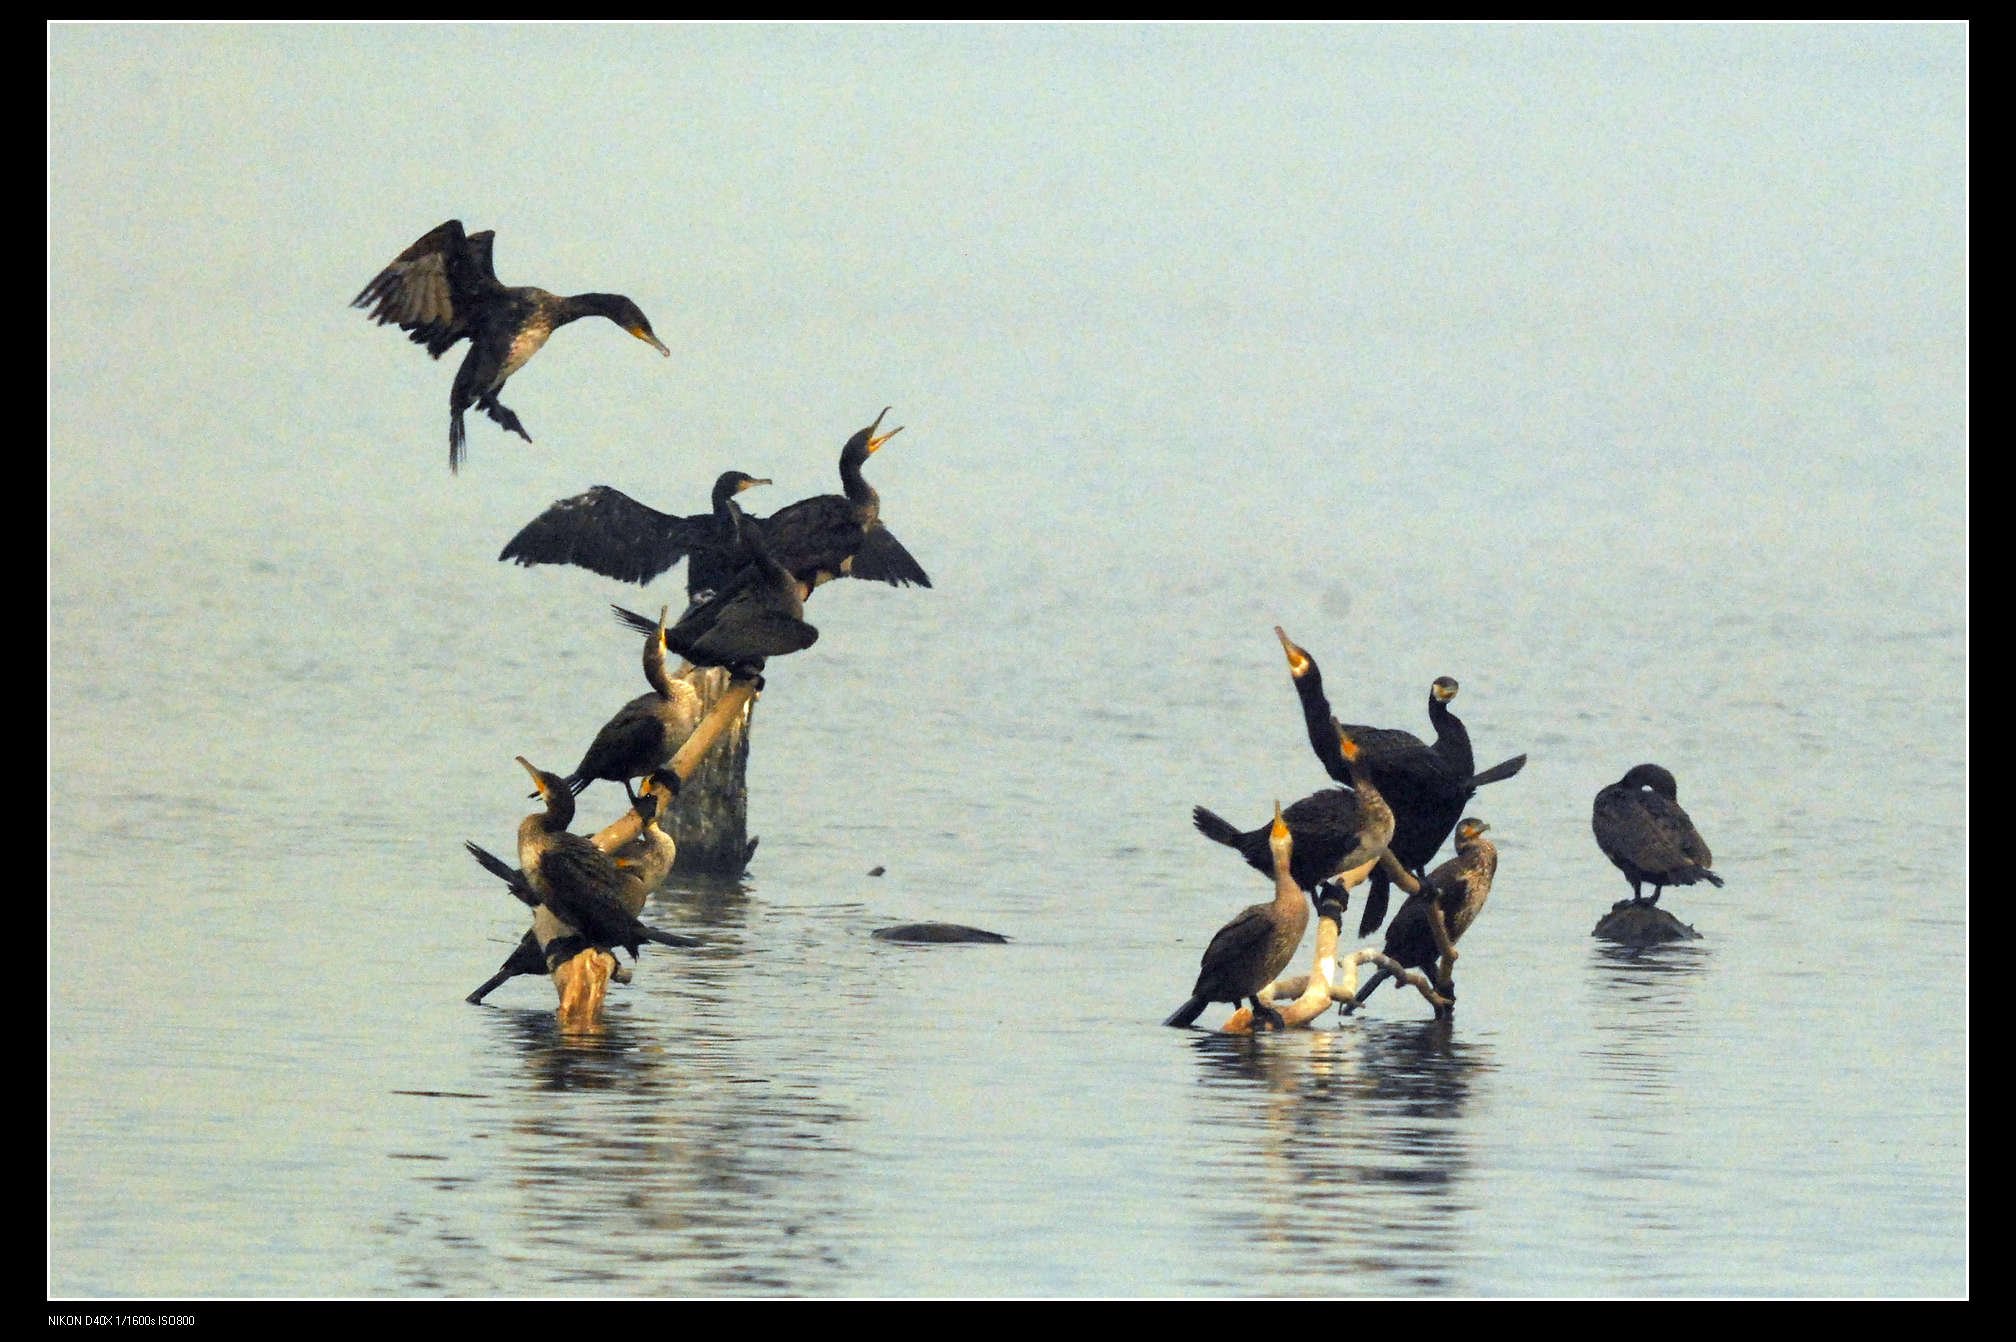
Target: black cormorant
{"points": [[1336, 830], [1251, 951], [606, 531], [443, 288], [646, 732], [579, 883], [643, 862], [757, 614], [842, 535], [1454, 893], [823, 537], [1427, 786], [1640, 827]]}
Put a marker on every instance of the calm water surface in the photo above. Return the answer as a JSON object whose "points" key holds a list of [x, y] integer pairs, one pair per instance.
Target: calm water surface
{"points": [[264, 1080]]}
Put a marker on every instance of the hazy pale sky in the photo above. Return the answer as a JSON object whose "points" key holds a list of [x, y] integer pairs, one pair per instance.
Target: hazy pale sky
{"points": [[1096, 261]]}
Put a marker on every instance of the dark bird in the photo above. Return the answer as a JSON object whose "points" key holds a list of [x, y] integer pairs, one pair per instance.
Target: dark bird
{"points": [[1337, 830], [842, 535], [606, 531], [826, 536], [757, 614], [1453, 895], [1427, 786], [443, 288], [1640, 827], [646, 732], [644, 862], [580, 884], [1251, 951]]}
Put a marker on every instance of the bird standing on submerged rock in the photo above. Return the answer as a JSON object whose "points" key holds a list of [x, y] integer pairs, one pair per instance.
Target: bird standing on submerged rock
{"points": [[1251, 951], [1642, 830], [443, 288]]}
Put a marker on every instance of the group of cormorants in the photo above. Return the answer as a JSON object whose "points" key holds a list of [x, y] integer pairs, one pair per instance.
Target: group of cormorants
{"points": [[747, 582], [1398, 798]]}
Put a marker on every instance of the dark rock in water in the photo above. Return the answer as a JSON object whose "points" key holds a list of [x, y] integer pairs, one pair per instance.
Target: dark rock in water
{"points": [[1642, 925], [937, 933], [878, 871]]}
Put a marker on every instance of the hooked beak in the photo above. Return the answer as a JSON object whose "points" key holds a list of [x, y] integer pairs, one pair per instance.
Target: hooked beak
{"points": [[1298, 660], [875, 440], [653, 341]]}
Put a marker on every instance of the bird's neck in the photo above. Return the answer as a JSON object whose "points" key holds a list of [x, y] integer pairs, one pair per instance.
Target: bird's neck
{"points": [[859, 492], [1452, 739], [1376, 817], [574, 307], [1316, 718], [654, 666]]}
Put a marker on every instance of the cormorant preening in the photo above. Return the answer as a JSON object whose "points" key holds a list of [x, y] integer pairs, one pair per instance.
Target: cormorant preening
{"points": [[841, 535], [606, 531], [443, 288], [1453, 894], [646, 732], [1427, 786], [757, 614], [1335, 830], [1251, 951], [1640, 827], [643, 862]]}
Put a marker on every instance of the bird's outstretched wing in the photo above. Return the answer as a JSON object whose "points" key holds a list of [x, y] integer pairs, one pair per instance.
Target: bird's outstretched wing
{"points": [[606, 531], [882, 558], [434, 288]]}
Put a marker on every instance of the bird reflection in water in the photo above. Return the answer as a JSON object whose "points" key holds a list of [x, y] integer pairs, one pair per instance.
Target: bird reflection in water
{"points": [[1375, 1114]]}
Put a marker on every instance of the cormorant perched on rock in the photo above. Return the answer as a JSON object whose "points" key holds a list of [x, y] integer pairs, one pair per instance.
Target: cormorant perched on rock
{"points": [[1427, 786], [646, 732], [1452, 895], [1251, 951], [442, 289], [606, 531], [1640, 827]]}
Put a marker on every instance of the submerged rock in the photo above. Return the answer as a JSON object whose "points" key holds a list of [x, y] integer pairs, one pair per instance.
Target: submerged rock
{"points": [[1642, 925], [935, 933]]}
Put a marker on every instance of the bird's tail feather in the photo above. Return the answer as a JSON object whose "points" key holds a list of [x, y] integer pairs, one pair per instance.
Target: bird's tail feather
{"points": [[1377, 893], [1498, 773], [1215, 827]]}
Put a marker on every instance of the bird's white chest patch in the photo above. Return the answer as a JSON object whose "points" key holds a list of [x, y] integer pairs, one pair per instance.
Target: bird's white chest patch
{"points": [[523, 346]]}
